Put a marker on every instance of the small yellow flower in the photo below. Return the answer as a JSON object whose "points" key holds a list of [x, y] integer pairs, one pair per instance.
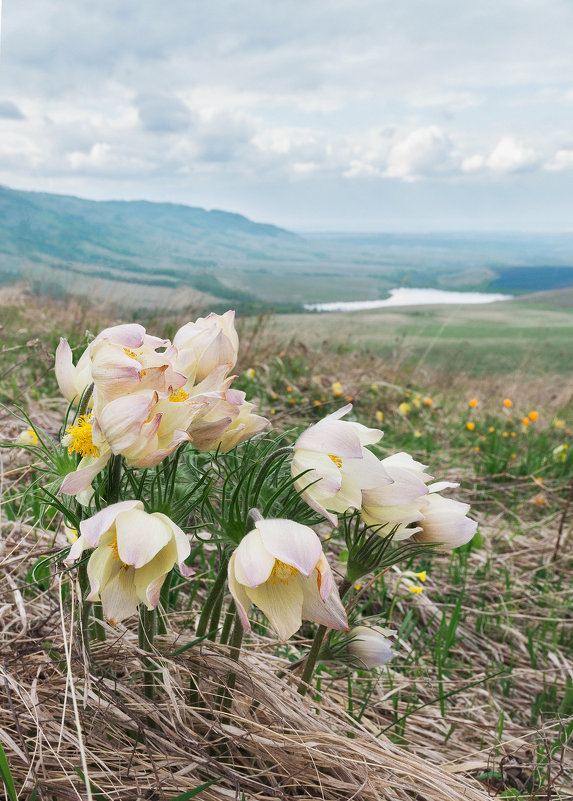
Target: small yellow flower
{"points": [[374, 387], [292, 401], [533, 416], [421, 575], [540, 500], [513, 434], [476, 449], [508, 403], [470, 425], [289, 389], [407, 395], [274, 396], [417, 434], [559, 423], [349, 399], [491, 430], [404, 408], [474, 402], [417, 590], [417, 401], [27, 437], [336, 387], [505, 435], [358, 586], [379, 416], [428, 401], [513, 456], [525, 422], [317, 403], [250, 373], [273, 411]]}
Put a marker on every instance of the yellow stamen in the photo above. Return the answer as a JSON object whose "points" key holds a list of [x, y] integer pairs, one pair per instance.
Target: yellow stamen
{"points": [[130, 353], [81, 437], [282, 573], [114, 548], [178, 396], [337, 460]]}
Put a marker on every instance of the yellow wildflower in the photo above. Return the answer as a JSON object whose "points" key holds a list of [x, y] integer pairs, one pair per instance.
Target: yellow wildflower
{"points": [[533, 416], [379, 416], [404, 408], [78, 438], [336, 389], [508, 403], [474, 402], [491, 430], [470, 425], [417, 590], [250, 373]]}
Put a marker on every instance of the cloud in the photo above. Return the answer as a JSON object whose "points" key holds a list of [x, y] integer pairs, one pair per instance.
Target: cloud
{"points": [[562, 160], [423, 152], [160, 113], [10, 111], [508, 156]]}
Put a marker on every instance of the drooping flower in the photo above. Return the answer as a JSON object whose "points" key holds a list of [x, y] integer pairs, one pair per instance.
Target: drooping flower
{"points": [[445, 521], [370, 646], [279, 567], [338, 464], [226, 424], [27, 437], [202, 346], [73, 380], [134, 552]]}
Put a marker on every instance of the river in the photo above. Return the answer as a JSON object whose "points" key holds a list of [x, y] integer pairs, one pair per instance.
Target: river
{"points": [[407, 296]]}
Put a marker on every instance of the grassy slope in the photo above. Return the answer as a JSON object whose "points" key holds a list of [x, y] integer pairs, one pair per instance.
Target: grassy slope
{"points": [[500, 610]]}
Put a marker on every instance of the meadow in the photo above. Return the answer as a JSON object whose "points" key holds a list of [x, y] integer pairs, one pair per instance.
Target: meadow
{"points": [[478, 702]]}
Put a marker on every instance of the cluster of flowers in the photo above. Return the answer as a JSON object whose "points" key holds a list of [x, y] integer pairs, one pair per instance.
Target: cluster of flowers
{"points": [[150, 396]]}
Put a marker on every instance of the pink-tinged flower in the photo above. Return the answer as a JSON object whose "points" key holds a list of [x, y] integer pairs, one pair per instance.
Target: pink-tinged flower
{"points": [[371, 646], [338, 465], [134, 552], [226, 424], [142, 427], [445, 521], [280, 567], [202, 346], [398, 505], [74, 379]]}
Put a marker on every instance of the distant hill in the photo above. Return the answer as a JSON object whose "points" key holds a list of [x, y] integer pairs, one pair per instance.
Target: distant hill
{"points": [[168, 255]]}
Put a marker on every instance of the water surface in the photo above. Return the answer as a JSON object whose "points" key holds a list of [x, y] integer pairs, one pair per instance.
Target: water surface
{"points": [[408, 296]]}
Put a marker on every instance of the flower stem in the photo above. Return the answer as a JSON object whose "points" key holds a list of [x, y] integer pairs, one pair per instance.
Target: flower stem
{"points": [[114, 478], [164, 604], [225, 693], [213, 597], [146, 632], [85, 607], [227, 623], [314, 652]]}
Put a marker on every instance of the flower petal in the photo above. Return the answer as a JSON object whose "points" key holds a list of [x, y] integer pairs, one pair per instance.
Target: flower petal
{"points": [[121, 420], [237, 590], [65, 370], [81, 478], [291, 543], [101, 565], [93, 528], [281, 603], [140, 536], [253, 562], [149, 579], [329, 613], [119, 598], [182, 543]]}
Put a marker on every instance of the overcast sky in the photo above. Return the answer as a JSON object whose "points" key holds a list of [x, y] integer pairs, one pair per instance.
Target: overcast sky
{"points": [[312, 114]]}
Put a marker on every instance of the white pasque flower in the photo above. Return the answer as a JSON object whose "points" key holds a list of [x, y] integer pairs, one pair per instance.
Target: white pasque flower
{"points": [[338, 466], [228, 423], [412, 508], [129, 338], [134, 552], [279, 566], [202, 346], [370, 645]]}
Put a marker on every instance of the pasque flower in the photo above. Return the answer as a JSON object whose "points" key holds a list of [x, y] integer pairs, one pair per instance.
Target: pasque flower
{"points": [[370, 646], [125, 340], [200, 347], [411, 508], [134, 552], [338, 466], [279, 566], [226, 424]]}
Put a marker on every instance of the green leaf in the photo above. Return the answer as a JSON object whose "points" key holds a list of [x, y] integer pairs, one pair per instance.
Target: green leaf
{"points": [[6, 774], [195, 791]]}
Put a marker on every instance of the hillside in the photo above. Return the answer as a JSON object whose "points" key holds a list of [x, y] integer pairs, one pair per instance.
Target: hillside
{"points": [[169, 256]]}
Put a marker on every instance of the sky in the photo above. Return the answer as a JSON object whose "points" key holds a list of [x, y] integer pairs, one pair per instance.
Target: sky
{"points": [[324, 115]]}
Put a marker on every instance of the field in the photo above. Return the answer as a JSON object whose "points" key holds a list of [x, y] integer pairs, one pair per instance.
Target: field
{"points": [[477, 704]]}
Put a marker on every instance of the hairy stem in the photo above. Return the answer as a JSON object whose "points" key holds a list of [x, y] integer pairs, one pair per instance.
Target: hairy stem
{"points": [[213, 597]]}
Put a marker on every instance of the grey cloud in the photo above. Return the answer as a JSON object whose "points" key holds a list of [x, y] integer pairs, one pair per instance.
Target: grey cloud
{"points": [[10, 111], [160, 113]]}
